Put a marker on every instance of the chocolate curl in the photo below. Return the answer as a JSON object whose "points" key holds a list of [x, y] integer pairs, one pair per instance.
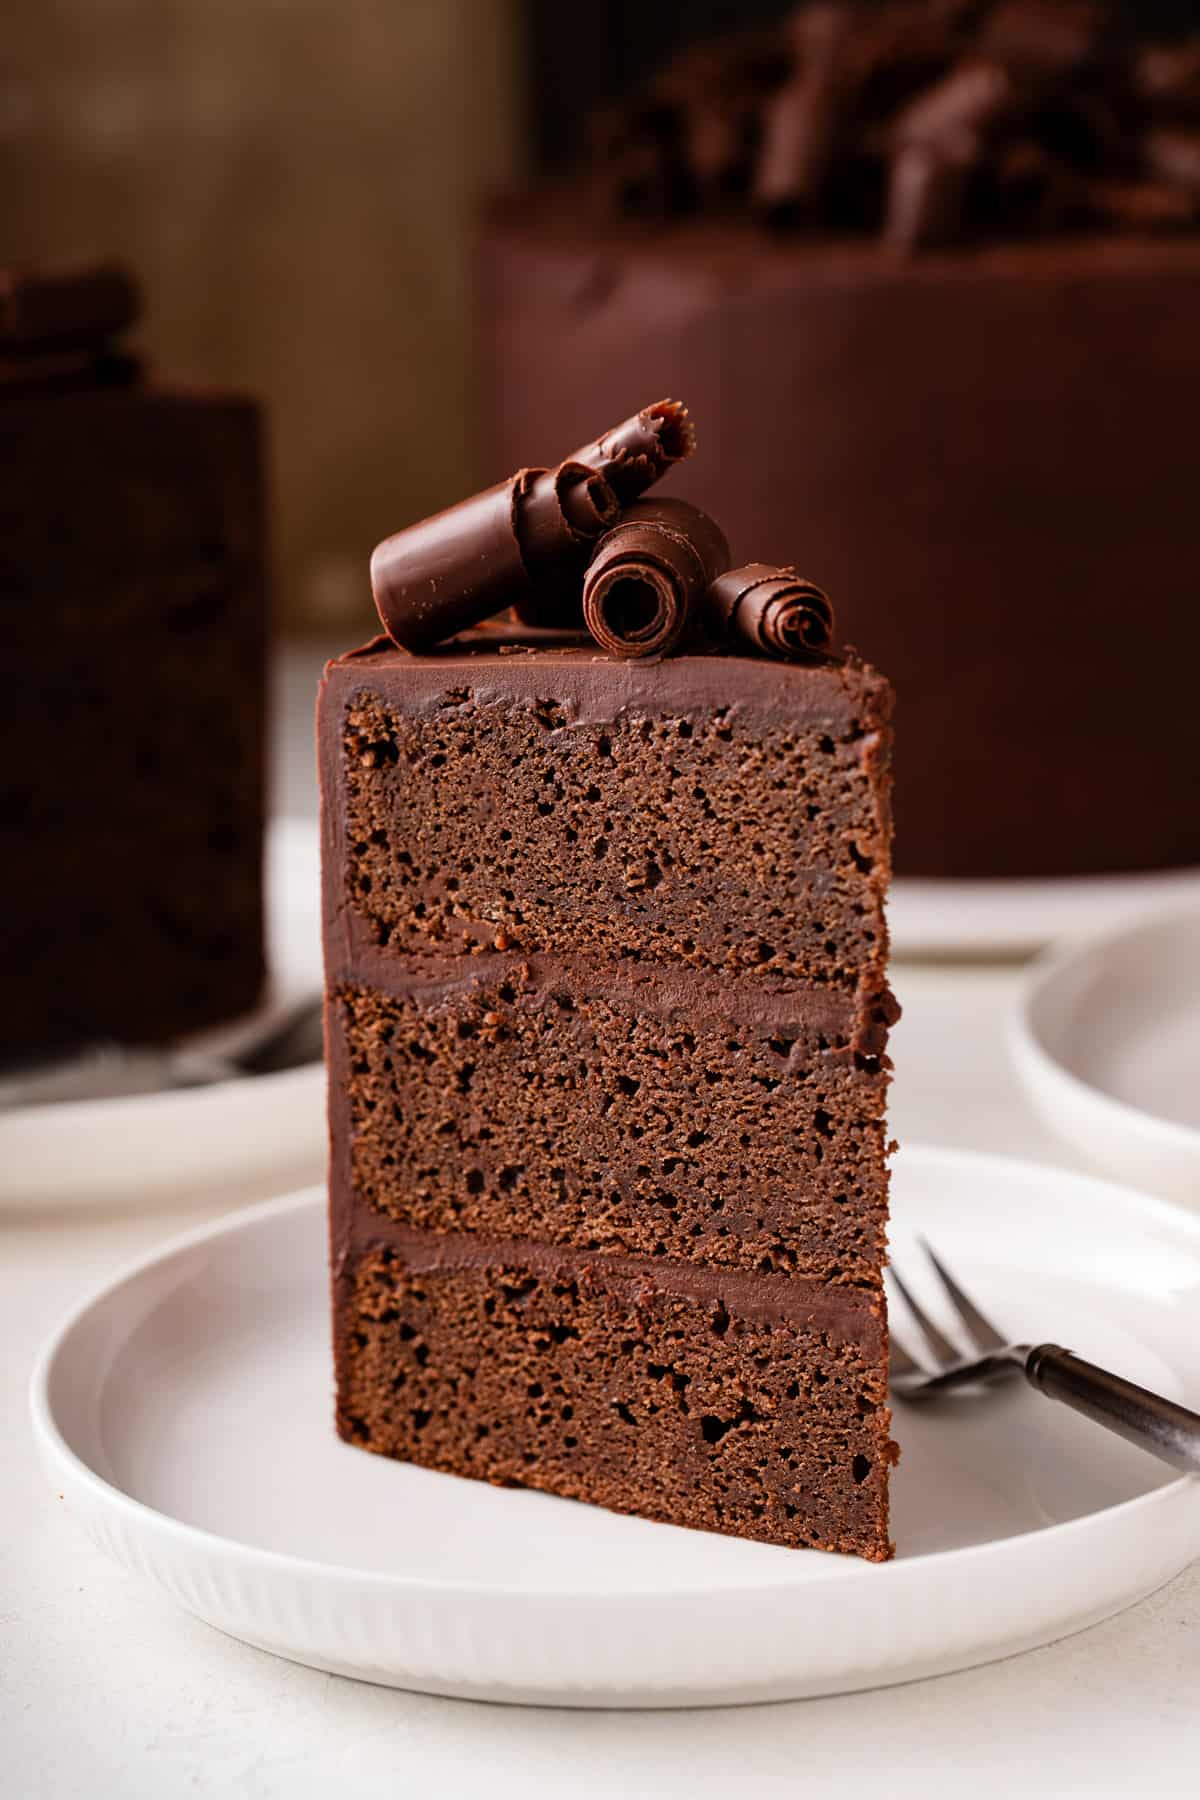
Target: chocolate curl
{"points": [[634, 154], [634, 455], [517, 541], [900, 50], [1142, 206], [715, 90], [1041, 40], [773, 609], [800, 122], [644, 583], [938, 139], [1174, 157], [39, 307], [1167, 78], [1033, 191]]}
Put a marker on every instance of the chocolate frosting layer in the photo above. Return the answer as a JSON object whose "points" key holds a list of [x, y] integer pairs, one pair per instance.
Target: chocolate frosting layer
{"points": [[590, 688], [669, 992], [848, 1314], [644, 582]]}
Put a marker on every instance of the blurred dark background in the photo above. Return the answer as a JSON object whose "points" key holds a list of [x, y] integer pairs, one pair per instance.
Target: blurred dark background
{"points": [[618, 43], [296, 184]]}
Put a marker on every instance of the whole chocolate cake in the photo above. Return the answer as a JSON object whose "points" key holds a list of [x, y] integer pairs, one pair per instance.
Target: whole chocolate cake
{"points": [[606, 1015], [929, 273], [131, 736]]}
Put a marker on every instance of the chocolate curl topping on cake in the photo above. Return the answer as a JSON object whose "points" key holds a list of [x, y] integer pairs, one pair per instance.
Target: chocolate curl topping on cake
{"points": [[773, 609], [801, 120], [924, 120], [527, 537], [938, 141], [634, 455], [642, 590]]}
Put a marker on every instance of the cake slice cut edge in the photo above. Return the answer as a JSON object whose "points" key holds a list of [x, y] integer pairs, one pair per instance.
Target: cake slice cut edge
{"points": [[691, 1330]]}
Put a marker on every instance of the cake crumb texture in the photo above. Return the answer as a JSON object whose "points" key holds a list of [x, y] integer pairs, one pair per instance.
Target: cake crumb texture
{"points": [[697, 841], [591, 1119], [610, 1390]]}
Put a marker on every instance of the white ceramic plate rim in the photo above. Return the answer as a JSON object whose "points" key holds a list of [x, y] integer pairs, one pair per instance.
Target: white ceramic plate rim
{"points": [[285, 839], [1013, 916], [58, 1452], [1027, 1046], [244, 1138]]}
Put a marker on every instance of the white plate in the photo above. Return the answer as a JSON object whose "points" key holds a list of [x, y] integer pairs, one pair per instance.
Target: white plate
{"points": [[1016, 917], [242, 1138], [185, 1415], [1106, 1038]]}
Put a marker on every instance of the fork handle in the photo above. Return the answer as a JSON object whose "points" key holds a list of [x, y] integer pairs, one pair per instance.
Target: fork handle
{"points": [[1166, 1430]]}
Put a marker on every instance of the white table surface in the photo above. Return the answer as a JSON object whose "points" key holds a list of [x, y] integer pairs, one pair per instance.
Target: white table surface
{"points": [[107, 1691]]}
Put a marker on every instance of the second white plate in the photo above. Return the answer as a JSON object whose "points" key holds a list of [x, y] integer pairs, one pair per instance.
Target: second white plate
{"points": [[242, 1139], [185, 1414], [1106, 1038], [1017, 916]]}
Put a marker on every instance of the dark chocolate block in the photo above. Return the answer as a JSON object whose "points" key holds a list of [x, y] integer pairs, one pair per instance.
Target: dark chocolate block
{"points": [[607, 1020], [131, 740]]}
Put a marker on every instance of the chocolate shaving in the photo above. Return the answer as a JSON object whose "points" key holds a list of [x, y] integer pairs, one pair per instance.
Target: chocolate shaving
{"points": [[713, 93], [926, 120], [523, 539], [800, 122], [938, 140], [1167, 78], [633, 455], [644, 583], [1174, 156], [773, 609], [1034, 191], [1041, 40], [635, 161], [1142, 206]]}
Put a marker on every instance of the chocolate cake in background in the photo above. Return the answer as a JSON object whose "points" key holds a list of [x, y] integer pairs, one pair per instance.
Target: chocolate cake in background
{"points": [[929, 274], [131, 737], [607, 1014]]}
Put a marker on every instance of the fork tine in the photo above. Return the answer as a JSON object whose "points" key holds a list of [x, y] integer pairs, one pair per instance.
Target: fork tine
{"points": [[899, 1360], [982, 1330], [942, 1349]]}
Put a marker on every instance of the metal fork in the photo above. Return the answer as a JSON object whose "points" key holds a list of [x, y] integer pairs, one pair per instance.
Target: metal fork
{"points": [[1166, 1430]]}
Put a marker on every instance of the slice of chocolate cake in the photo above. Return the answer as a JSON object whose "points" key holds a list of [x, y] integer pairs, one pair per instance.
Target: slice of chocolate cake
{"points": [[607, 1014]]}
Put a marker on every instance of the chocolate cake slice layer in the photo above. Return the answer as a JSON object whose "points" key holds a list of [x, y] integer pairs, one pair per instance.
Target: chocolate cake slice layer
{"points": [[607, 1019], [756, 1407], [719, 812], [657, 1113]]}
